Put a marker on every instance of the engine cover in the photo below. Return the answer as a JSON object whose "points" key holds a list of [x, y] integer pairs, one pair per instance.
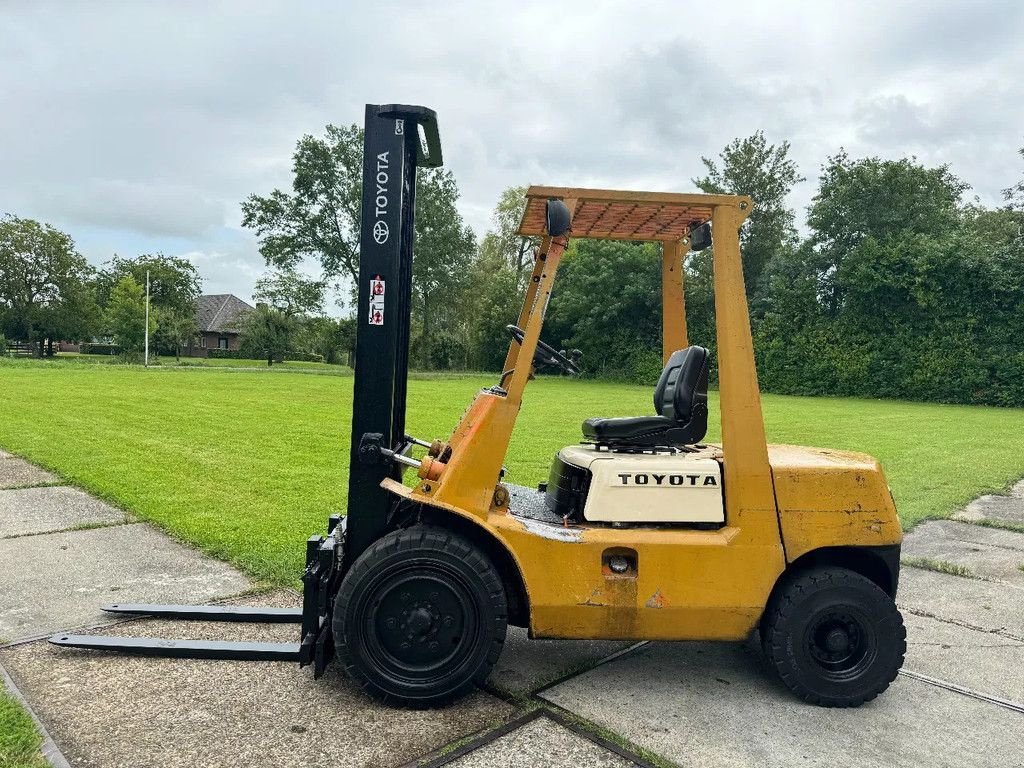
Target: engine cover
{"points": [[637, 487]]}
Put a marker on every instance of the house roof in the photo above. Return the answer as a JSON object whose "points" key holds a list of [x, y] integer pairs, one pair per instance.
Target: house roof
{"points": [[220, 313]]}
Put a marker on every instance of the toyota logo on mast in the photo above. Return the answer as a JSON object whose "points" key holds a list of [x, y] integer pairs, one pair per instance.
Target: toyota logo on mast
{"points": [[380, 227]]}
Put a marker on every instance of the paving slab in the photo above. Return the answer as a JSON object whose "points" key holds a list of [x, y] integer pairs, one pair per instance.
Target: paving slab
{"points": [[58, 581], [989, 553], [18, 473], [541, 742], [714, 705], [986, 605], [526, 665], [982, 661], [56, 508], [107, 711], [1009, 509]]}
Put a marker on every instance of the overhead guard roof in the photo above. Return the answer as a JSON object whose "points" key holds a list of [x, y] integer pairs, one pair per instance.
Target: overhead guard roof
{"points": [[621, 215]]}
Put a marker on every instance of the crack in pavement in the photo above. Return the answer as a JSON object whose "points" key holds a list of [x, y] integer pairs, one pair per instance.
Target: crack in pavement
{"points": [[962, 645], [71, 529], [964, 690]]}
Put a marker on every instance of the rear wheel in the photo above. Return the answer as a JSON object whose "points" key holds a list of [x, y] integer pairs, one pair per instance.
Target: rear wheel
{"points": [[834, 637], [420, 617]]}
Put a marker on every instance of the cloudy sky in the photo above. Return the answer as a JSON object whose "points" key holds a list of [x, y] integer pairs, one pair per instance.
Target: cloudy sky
{"points": [[140, 126]]}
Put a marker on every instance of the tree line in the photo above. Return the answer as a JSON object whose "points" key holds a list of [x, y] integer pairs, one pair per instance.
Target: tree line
{"points": [[898, 289], [896, 286], [50, 293]]}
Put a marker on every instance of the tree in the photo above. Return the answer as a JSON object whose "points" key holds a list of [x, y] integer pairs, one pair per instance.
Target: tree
{"points": [[294, 296], [333, 339], [1015, 195], [608, 305], [766, 173], [174, 287], [997, 228], [493, 302], [43, 284], [267, 332], [445, 247], [291, 293], [495, 283], [320, 217], [883, 200], [76, 317], [503, 242], [900, 292], [174, 282], [126, 316], [177, 327]]}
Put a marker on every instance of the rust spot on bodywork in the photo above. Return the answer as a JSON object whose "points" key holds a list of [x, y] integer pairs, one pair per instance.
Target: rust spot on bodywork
{"points": [[657, 600], [592, 602]]}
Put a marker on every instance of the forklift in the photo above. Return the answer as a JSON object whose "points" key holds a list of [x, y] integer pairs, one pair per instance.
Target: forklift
{"points": [[642, 531]]}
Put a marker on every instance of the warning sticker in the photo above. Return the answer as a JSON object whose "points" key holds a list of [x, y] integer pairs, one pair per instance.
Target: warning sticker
{"points": [[376, 313]]}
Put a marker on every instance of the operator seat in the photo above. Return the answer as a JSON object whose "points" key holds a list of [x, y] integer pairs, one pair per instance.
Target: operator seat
{"points": [[681, 400]]}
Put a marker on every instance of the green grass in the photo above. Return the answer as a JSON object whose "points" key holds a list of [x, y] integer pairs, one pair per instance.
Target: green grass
{"points": [[992, 522], [247, 465], [62, 359], [19, 739], [216, 362], [939, 566]]}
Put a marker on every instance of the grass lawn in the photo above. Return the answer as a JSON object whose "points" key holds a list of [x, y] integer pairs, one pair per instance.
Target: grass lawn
{"points": [[77, 358], [19, 739], [247, 465], [287, 365]]}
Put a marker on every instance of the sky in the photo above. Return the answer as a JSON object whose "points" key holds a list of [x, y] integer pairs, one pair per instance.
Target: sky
{"points": [[140, 127]]}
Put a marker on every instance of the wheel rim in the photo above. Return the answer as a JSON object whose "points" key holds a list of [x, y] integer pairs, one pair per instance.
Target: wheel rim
{"points": [[420, 622], [840, 642]]}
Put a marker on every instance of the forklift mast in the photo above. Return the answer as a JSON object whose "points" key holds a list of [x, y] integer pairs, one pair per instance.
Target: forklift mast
{"points": [[392, 151]]}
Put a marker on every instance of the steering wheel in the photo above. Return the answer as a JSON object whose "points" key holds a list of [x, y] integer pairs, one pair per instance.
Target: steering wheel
{"points": [[546, 354]]}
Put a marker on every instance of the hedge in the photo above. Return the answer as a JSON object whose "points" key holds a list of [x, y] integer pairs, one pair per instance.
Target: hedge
{"points": [[227, 354], [304, 357], [100, 349], [237, 354]]}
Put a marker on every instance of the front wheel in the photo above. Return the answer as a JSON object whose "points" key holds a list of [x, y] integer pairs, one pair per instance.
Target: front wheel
{"points": [[420, 617], [834, 637]]}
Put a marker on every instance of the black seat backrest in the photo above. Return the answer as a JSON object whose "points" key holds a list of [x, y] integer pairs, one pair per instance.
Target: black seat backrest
{"points": [[683, 386]]}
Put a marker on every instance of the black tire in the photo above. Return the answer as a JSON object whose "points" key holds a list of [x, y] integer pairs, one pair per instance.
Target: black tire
{"points": [[834, 637], [420, 618]]}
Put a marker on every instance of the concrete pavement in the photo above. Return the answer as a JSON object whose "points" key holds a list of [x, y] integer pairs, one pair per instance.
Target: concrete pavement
{"points": [[958, 702]]}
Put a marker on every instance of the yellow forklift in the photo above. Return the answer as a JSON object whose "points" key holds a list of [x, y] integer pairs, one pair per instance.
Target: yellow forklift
{"points": [[642, 531]]}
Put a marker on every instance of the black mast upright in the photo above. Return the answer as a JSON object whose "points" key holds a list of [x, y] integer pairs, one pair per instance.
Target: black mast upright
{"points": [[392, 151]]}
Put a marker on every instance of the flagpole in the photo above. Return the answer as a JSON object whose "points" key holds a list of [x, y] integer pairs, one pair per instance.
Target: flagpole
{"points": [[146, 355]]}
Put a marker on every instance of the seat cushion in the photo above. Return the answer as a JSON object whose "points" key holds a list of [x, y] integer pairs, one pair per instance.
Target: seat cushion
{"points": [[625, 429]]}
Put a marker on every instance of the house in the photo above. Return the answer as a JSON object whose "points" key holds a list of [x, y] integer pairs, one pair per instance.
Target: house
{"points": [[219, 318]]}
